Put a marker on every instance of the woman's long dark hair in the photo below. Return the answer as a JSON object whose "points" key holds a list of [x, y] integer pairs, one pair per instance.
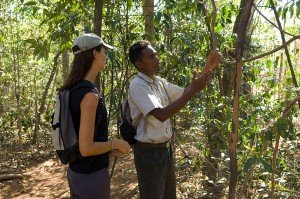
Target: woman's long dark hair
{"points": [[82, 63]]}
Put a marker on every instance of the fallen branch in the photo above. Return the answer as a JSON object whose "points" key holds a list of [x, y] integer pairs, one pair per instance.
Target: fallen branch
{"points": [[6, 177]]}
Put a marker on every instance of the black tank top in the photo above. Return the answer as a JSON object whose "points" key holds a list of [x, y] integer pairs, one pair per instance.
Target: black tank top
{"points": [[90, 164]]}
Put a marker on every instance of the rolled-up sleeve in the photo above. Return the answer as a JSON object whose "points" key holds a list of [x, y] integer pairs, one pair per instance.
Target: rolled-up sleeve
{"points": [[144, 98]]}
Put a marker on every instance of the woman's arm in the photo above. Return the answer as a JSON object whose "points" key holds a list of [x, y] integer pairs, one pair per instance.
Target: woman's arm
{"points": [[87, 146]]}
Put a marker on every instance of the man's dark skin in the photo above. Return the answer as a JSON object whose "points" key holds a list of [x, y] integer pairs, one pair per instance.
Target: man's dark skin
{"points": [[149, 65]]}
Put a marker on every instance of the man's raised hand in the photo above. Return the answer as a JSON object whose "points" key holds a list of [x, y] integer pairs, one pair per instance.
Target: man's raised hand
{"points": [[211, 62]]}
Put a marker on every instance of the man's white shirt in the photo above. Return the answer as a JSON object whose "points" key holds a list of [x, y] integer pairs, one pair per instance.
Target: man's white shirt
{"points": [[146, 94]]}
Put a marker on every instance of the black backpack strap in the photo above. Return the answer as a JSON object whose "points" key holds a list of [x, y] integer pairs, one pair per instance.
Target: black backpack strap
{"points": [[84, 84], [126, 105]]}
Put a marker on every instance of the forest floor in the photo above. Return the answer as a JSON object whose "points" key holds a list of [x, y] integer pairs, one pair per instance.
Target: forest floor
{"points": [[43, 176]]}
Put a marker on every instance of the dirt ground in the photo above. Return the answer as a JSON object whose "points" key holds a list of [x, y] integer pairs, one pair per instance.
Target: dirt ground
{"points": [[47, 179]]}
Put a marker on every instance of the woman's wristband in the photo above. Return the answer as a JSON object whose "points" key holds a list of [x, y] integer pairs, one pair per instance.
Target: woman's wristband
{"points": [[112, 145]]}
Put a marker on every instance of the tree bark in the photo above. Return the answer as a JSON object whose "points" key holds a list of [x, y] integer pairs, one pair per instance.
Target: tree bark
{"points": [[148, 11], [97, 30], [240, 28], [65, 64]]}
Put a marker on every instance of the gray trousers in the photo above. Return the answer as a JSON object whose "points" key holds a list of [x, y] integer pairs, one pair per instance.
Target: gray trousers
{"points": [[89, 186], [155, 172]]}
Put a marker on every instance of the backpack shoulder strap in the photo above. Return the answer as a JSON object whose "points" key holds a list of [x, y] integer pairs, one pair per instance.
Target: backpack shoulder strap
{"points": [[166, 91], [84, 84]]}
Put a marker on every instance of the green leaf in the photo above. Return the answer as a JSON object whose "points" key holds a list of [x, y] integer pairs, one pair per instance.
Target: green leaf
{"points": [[268, 3], [298, 8], [200, 7], [249, 163], [30, 3], [283, 127], [291, 10], [158, 17], [269, 64], [267, 135], [31, 41], [267, 166], [284, 13], [279, 11]]}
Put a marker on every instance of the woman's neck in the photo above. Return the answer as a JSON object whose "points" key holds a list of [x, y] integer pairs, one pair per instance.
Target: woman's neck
{"points": [[91, 74]]}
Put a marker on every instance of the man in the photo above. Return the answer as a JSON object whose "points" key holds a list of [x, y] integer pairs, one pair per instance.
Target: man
{"points": [[152, 102]]}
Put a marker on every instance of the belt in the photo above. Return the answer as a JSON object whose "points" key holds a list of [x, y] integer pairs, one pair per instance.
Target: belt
{"points": [[147, 145]]}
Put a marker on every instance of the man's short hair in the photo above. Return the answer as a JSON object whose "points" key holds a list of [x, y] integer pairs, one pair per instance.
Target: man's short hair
{"points": [[135, 51]]}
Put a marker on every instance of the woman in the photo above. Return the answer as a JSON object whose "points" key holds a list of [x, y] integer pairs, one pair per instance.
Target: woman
{"points": [[89, 177]]}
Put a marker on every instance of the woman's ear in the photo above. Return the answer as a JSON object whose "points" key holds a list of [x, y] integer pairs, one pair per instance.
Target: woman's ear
{"points": [[95, 54]]}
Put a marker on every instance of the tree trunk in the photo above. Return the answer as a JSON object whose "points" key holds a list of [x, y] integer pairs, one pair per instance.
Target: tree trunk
{"points": [[15, 52], [65, 64], [240, 28], [43, 100], [169, 33], [97, 30], [148, 12]]}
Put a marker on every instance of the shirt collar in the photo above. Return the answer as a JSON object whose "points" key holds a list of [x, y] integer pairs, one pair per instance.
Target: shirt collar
{"points": [[146, 78]]}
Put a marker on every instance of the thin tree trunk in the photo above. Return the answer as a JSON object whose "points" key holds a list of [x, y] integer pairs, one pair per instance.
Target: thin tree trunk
{"points": [[148, 11], [275, 151], [36, 109], [280, 75], [240, 28], [65, 64], [17, 84], [97, 30], [169, 33], [43, 100]]}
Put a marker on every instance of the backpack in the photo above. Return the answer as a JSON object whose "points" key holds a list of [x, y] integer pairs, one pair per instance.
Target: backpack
{"points": [[64, 138], [127, 130]]}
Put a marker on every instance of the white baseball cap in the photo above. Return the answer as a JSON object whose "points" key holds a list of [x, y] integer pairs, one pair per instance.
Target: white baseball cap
{"points": [[89, 41]]}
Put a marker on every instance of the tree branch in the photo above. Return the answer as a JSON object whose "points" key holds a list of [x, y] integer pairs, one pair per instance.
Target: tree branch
{"points": [[212, 32], [226, 62], [270, 20], [283, 41]]}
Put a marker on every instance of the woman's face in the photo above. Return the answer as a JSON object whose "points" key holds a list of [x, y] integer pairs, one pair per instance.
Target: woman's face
{"points": [[100, 58]]}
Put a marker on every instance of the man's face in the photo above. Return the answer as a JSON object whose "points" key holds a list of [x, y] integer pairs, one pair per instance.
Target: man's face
{"points": [[149, 62]]}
